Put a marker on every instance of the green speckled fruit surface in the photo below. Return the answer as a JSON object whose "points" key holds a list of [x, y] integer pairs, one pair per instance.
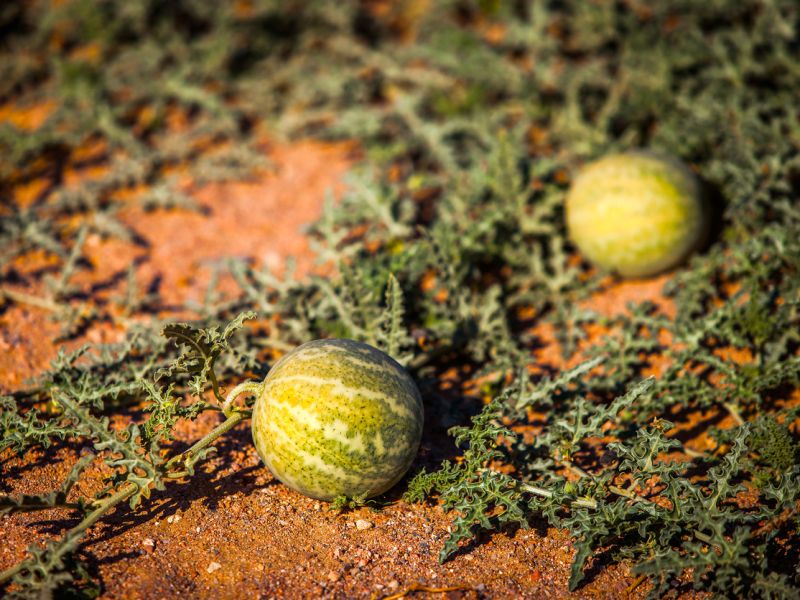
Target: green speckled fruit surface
{"points": [[636, 214], [338, 417]]}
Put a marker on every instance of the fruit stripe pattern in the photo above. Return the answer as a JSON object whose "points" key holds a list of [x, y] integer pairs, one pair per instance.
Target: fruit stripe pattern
{"points": [[449, 251], [338, 417]]}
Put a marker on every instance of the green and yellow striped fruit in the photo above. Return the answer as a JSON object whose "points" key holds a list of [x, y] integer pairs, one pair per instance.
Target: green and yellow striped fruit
{"points": [[636, 214], [337, 417]]}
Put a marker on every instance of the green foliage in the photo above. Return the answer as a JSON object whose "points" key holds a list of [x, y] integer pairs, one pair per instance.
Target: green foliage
{"points": [[131, 462], [22, 429], [394, 338], [483, 499], [53, 570], [135, 456], [199, 350], [773, 444], [448, 250], [343, 503], [12, 504]]}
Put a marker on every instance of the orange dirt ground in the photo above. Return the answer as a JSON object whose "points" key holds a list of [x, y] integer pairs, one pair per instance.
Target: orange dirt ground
{"points": [[232, 531]]}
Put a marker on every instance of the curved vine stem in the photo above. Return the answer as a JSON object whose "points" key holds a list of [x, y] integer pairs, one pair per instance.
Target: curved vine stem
{"points": [[249, 387]]}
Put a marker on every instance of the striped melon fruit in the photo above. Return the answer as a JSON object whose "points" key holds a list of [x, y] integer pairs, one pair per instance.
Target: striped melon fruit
{"points": [[337, 417], [635, 213]]}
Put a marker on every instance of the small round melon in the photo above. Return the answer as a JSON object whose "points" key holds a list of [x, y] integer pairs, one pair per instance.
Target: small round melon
{"points": [[338, 417], [636, 214]]}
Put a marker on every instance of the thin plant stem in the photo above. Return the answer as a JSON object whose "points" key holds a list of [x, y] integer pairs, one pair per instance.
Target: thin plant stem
{"points": [[249, 387], [102, 507], [70, 538], [232, 421], [735, 413], [544, 493]]}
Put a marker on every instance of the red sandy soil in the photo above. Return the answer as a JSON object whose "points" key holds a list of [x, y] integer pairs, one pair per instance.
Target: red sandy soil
{"points": [[233, 531]]}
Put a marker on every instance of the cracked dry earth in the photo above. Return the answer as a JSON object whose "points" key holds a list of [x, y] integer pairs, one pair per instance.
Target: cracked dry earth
{"points": [[233, 531]]}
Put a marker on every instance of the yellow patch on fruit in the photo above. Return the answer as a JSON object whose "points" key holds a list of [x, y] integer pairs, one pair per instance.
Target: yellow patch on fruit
{"points": [[337, 417], [636, 214]]}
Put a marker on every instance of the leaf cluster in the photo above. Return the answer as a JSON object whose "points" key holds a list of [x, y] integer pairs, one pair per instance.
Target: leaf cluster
{"points": [[448, 250], [134, 457]]}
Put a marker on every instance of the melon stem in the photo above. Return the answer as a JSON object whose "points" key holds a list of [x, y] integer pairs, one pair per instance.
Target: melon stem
{"points": [[246, 387]]}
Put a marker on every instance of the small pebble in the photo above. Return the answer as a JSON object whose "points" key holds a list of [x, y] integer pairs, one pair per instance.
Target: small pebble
{"points": [[333, 576], [149, 545], [362, 524], [214, 566], [393, 584], [173, 518]]}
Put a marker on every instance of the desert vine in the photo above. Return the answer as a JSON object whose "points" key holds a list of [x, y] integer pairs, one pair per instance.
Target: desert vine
{"points": [[665, 436]]}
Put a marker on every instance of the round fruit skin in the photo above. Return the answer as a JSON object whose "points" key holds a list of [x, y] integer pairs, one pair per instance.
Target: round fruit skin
{"points": [[636, 213], [338, 417]]}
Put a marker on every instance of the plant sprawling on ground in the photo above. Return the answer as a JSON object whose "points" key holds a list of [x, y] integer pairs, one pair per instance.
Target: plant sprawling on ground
{"points": [[449, 250]]}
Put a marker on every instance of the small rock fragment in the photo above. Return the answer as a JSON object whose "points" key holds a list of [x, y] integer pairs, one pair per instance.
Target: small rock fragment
{"points": [[214, 566], [362, 524], [333, 576], [148, 545]]}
